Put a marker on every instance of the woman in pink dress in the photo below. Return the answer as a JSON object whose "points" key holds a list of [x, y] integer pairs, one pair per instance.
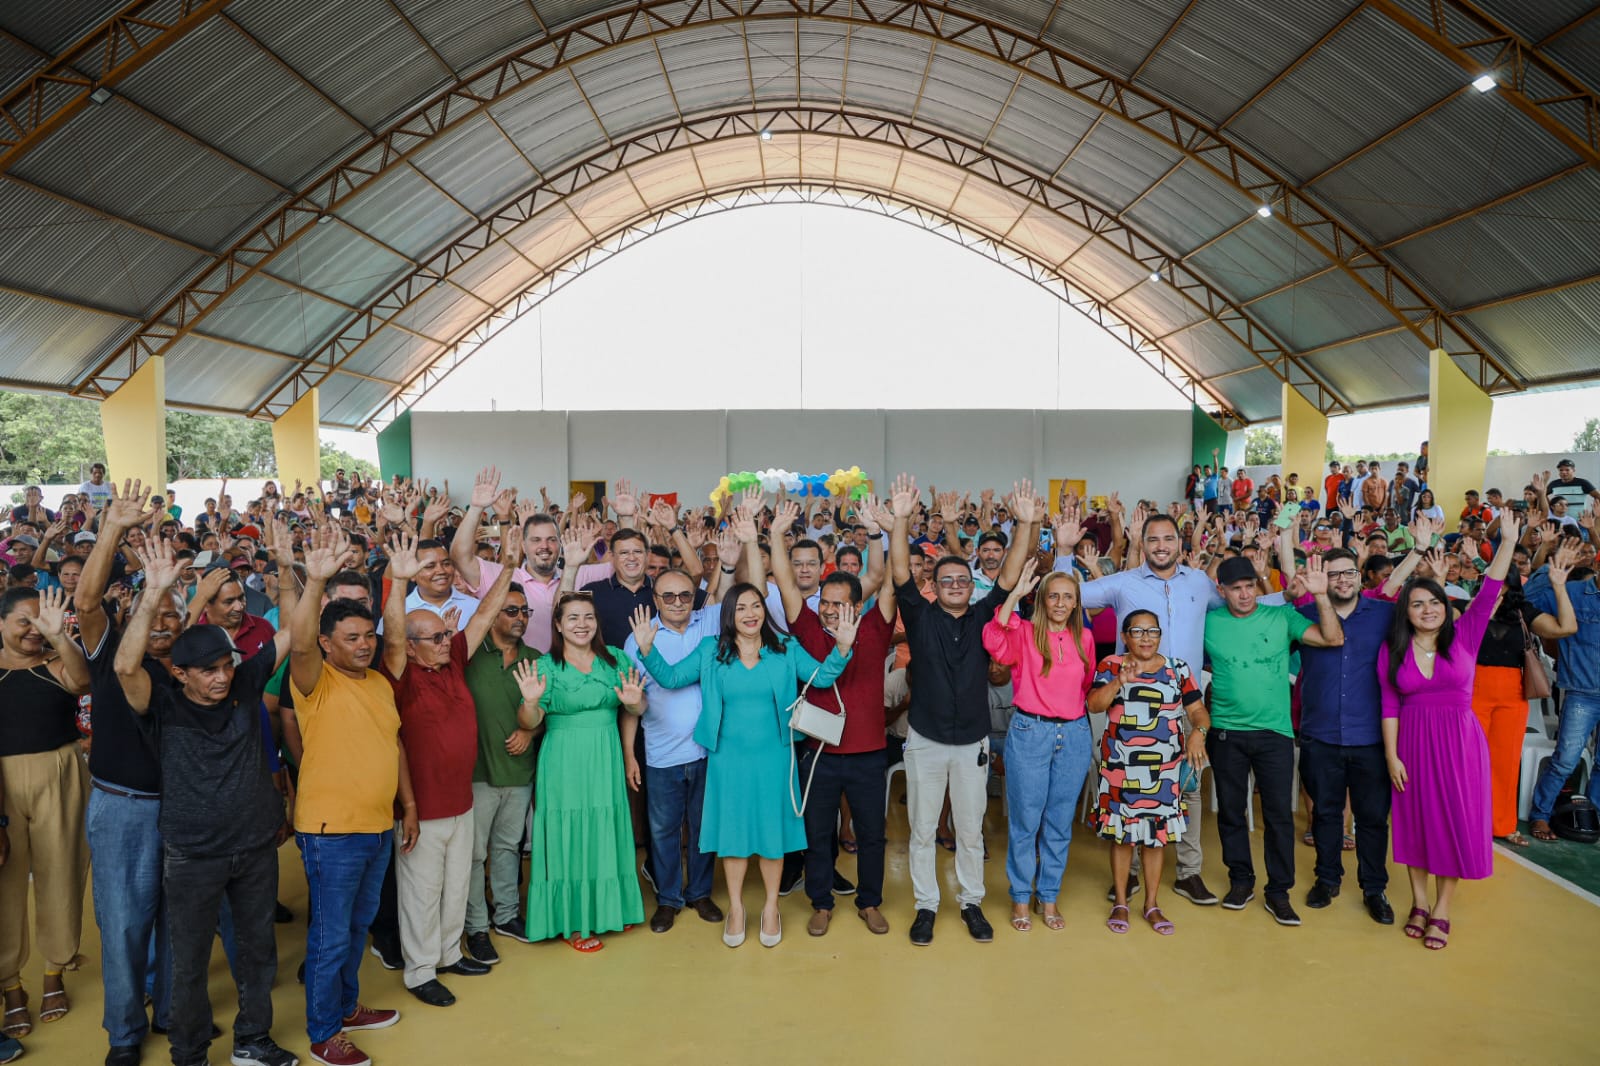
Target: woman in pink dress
{"points": [[1438, 758]]}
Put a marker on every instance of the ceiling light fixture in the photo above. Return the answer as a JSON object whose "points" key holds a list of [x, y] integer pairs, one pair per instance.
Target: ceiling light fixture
{"points": [[1483, 83], [1155, 275], [100, 95], [1265, 210], [323, 220], [766, 135]]}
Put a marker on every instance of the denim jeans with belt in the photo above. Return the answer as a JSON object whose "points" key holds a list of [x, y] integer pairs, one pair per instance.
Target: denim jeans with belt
{"points": [[675, 795], [344, 873], [125, 847], [1580, 717], [1047, 765]]}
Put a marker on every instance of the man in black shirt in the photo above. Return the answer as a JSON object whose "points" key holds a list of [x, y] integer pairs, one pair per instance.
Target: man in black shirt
{"points": [[948, 742], [221, 816]]}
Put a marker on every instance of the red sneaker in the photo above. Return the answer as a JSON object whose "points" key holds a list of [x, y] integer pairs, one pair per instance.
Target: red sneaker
{"points": [[367, 1018], [338, 1051]]}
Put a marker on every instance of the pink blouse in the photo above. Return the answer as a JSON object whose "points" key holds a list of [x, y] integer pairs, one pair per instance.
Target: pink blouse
{"points": [[1060, 695]]}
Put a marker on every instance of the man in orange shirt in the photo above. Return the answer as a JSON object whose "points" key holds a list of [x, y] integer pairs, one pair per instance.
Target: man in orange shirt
{"points": [[1330, 486]]}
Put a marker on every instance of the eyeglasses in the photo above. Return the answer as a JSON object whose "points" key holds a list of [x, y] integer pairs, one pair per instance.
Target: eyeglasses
{"points": [[514, 612], [675, 597], [955, 582], [1337, 575], [441, 637], [1144, 631]]}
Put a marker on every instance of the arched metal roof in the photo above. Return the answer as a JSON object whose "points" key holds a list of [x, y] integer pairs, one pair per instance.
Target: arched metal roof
{"points": [[276, 194]]}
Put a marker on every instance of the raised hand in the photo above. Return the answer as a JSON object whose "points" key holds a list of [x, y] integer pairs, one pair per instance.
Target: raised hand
{"points": [[127, 508], [326, 552], [437, 508], [1313, 576], [844, 630], [644, 626], [625, 503], [728, 548], [511, 546], [578, 503], [525, 510], [451, 619], [1068, 531], [529, 681], [403, 563], [485, 487], [743, 524], [1433, 560], [903, 496], [631, 692], [948, 505], [161, 567], [577, 542], [785, 515], [1127, 670], [661, 514], [884, 516], [52, 620], [1023, 502], [1027, 582], [1562, 562], [279, 543], [867, 511]]}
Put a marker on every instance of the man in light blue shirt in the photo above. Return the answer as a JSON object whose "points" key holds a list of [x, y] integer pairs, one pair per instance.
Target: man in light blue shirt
{"points": [[674, 769], [1578, 674], [1179, 596]]}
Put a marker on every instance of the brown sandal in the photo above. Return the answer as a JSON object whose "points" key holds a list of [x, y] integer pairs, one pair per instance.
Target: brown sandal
{"points": [[18, 1022]]}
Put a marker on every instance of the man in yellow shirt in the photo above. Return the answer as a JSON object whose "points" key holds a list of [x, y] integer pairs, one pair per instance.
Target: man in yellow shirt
{"points": [[352, 769]]}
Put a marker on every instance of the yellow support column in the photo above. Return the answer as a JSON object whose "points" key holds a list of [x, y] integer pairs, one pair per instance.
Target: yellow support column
{"points": [[1458, 434], [295, 441], [1305, 441], [134, 422]]}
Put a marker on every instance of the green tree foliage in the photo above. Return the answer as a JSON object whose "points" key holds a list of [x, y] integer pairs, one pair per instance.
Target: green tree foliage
{"points": [[1263, 446], [212, 446], [337, 459], [1588, 438]]}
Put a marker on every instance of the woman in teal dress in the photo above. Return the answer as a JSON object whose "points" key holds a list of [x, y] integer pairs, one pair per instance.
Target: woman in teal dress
{"points": [[748, 677], [581, 878]]}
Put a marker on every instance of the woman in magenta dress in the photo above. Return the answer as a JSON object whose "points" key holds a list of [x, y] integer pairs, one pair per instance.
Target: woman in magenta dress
{"points": [[1438, 758]]}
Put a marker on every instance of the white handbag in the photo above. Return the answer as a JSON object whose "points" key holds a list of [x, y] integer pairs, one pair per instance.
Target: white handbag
{"points": [[820, 725]]}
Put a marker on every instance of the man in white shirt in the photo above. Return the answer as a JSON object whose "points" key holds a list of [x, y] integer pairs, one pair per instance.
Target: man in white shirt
{"points": [[96, 488]]}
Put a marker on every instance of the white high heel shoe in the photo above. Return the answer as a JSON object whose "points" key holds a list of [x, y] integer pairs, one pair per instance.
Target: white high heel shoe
{"points": [[771, 941], [733, 940]]}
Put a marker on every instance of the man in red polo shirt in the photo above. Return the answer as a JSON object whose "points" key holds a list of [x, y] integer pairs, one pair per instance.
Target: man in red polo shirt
{"points": [[439, 728], [855, 769]]}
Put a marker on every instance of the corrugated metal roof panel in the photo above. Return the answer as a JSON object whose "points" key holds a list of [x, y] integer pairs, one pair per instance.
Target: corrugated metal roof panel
{"points": [[477, 164], [1369, 78], [221, 88], [626, 88], [1321, 309], [212, 374], [885, 69], [1474, 149], [1579, 53], [1189, 208], [50, 343], [1547, 236], [773, 67], [1551, 336], [385, 352], [53, 27], [120, 160], [1041, 125], [269, 315], [494, 273], [1113, 34], [1256, 258], [1109, 270], [1376, 371], [337, 260], [1029, 16], [1158, 307], [441, 312], [468, 39], [350, 50], [705, 65], [1224, 51], [1047, 236], [351, 405], [1117, 163], [403, 211], [17, 64], [822, 52], [964, 94], [1255, 394], [1535, 22], [1208, 349], [550, 122], [558, 13]]}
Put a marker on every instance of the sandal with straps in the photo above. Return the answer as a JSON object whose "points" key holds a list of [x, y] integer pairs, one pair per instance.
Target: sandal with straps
{"points": [[1415, 932], [1437, 943], [1021, 923], [585, 944], [18, 1022], [1159, 923], [1115, 924], [48, 1013]]}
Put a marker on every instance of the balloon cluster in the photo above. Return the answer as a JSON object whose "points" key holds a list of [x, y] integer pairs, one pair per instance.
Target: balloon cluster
{"points": [[851, 483]]}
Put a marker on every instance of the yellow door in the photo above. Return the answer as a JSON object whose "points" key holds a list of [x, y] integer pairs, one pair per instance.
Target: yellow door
{"points": [[592, 491], [1076, 486]]}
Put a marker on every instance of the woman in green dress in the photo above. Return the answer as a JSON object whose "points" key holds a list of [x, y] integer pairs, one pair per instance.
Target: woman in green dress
{"points": [[748, 677], [581, 878]]}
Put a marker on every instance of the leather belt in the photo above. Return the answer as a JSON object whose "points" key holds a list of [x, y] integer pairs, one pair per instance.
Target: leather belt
{"points": [[123, 793]]}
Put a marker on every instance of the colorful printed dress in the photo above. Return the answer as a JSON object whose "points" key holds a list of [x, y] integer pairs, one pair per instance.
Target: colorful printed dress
{"points": [[581, 877], [1138, 801]]}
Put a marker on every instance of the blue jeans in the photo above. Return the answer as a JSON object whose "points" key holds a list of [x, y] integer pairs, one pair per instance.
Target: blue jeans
{"points": [[675, 795], [125, 847], [344, 872], [1047, 764], [1580, 716]]}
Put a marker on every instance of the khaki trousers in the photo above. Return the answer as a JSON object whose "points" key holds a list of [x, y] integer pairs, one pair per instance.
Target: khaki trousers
{"points": [[432, 883], [46, 795]]}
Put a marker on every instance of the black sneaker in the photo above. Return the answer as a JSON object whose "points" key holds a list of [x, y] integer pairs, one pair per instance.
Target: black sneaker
{"points": [[1281, 911], [262, 1052], [842, 886], [799, 879], [480, 948], [1195, 891], [922, 929], [1238, 896], [388, 953], [1133, 886], [513, 929], [977, 924], [1321, 895]]}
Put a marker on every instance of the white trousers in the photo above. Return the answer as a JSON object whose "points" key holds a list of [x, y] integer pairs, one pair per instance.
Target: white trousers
{"points": [[931, 768], [432, 890]]}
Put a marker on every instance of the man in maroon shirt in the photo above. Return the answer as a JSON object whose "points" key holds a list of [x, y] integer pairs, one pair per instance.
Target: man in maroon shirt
{"points": [[439, 728], [855, 769]]}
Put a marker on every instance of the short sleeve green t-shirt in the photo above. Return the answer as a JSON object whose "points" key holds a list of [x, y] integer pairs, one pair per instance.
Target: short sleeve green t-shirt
{"points": [[1249, 660], [496, 697]]}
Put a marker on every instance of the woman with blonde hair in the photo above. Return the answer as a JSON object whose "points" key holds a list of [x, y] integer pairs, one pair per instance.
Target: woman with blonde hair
{"points": [[1048, 743]]}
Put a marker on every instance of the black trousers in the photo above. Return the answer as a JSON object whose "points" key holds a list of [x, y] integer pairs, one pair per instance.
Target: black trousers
{"points": [[1331, 772], [1235, 754], [194, 889], [859, 778]]}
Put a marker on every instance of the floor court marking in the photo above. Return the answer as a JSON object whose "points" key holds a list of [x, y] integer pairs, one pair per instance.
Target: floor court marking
{"points": [[1529, 864]]}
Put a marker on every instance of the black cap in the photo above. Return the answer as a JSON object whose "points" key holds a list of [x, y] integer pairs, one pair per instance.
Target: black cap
{"points": [[202, 646], [991, 535], [1237, 568]]}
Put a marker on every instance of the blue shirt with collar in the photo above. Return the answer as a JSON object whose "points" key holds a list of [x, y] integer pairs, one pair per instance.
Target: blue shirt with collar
{"points": [[671, 714], [1578, 668], [1180, 602], [1340, 702]]}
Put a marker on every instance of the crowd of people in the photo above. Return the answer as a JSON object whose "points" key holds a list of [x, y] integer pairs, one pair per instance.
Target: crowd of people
{"points": [[422, 695]]}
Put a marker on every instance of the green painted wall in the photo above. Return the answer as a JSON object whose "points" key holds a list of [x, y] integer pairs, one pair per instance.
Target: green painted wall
{"points": [[1206, 435], [394, 447]]}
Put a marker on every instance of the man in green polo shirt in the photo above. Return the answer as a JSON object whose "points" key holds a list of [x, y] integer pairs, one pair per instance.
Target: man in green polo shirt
{"points": [[1247, 646], [502, 781]]}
